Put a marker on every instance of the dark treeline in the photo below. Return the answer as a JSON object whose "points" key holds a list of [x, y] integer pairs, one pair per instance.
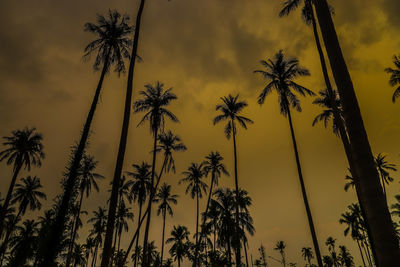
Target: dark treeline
{"points": [[224, 227]]}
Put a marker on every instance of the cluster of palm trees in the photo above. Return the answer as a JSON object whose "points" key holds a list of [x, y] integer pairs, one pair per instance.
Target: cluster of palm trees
{"points": [[222, 229]]}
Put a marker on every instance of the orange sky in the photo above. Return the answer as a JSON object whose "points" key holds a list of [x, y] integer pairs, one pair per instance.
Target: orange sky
{"points": [[204, 50]]}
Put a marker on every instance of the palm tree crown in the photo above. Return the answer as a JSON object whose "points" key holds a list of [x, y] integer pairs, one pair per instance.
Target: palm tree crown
{"points": [[213, 164], [193, 177], [394, 79], [165, 198], [88, 176], [168, 143], [325, 101], [141, 184], [28, 195]]}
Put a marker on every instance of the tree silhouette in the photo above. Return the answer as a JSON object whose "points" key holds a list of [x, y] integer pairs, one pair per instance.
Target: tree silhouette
{"points": [[383, 169], [280, 246], [24, 149], [179, 238], [307, 254], [165, 198], [99, 221], [394, 79], [345, 257], [280, 72]]}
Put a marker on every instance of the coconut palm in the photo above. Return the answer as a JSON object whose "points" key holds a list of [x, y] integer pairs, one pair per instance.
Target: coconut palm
{"points": [[396, 206], [168, 143], [331, 242], [394, 79], [230, 109], [307, 254], [121, 223], [87, 180], [345, 257], [111, 47], [195, 187], [140, 187], [280, 246], [383, 169], [349, 183], [154, 102], [165, 198], [325, 101], [280, 72], [179, 238], [99, 221], [24, 148], [371, 199]]}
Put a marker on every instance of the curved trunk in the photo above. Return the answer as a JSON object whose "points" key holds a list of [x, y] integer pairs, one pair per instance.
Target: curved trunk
{"points": [[238, 256], [4, 208], [304, 194], [361, 253], [163, 235], [74, 231], [197, 229], [137, 239], [57, 231], [122, 145], [146, 256], [371, 196]]}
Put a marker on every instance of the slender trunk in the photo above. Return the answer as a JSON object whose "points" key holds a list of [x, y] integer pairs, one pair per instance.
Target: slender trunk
{"points": [[8, 197], [122, 145], [371, 196], [179, 263], [119, 238], [197, 229], [361, 253], [284, 260], [137, 239], [56, 232], [245, 252], [304, 193], [94, 257], [74, 231], [146, 256], [237, 243], [163, 235], [367, 255], [229, 253]]}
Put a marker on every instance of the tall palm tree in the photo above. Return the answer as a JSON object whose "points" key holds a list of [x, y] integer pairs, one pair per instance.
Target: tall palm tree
{"points": [[195, 187], [325, 101], [154, 102], [99, 221], [107, 250], [331, 243], [111, 47], [87, 180], [394, 79], [307, 254], [280, 246], [383, 169], [345, 257], [280, 72], [79, 255], [179, 238], [371, 198], [24, 149], [123, 215], [140, 187], [165, 198], [230, 108]]}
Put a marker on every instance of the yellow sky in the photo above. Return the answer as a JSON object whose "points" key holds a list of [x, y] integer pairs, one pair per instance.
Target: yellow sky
{"points": [[204, 50]]}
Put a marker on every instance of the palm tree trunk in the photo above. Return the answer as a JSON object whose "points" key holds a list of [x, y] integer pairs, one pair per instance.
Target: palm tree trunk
{"points": [[361, 253], [371, 196], [74, 231], [137, 239], [146, 257], [57, 230], [179, 263], [229, 253], [94, 257], [304, 193], [245, 252], [197, 229], [238, 255], [8, 197], [122, 145], [163, 235]]}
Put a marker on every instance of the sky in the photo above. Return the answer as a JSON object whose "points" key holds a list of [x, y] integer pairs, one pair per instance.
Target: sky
{"points": [[203, 50]]}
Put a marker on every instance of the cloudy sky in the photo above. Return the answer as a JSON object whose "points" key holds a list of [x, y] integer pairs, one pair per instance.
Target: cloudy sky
{"points": [[204, 50]]}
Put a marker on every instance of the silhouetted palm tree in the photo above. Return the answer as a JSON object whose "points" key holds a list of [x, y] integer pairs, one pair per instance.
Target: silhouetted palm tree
{"points": [[87, 180], [280, 246], [99, 221], [307, 254], [325, 101], [349, 183], [373, 202], [154, 103], [230, 108], [195, 187], [383, 169], [165, 198], [110, 47], [140, 187], [121, 222], [331, 242], [179, 238], [394, 79], [168, 143], [280, 72], [24, 149], [345, 257]]}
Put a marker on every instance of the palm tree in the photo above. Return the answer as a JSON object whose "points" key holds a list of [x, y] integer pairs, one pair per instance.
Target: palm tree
{"points": [[345, 257], [111, 47], [154, 103], [179, 238], [140, 187], [107, 250], [168, 143], [230, 108], [325, 100], [165, 198], [79, 255], [280, 246], [396, 207], [196, 187], [87, 180], [99, 221], [350, 183], [24, 149], [123, 215], [330, 242], [281, 72], [371, 199], [89, 245], [307, 254], [394, 79], [383, 169]]}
